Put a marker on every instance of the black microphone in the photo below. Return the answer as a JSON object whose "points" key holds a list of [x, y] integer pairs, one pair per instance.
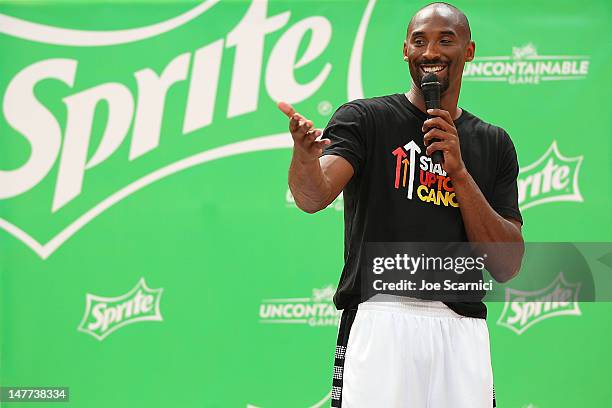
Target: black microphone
{"points": [[430, 86]]}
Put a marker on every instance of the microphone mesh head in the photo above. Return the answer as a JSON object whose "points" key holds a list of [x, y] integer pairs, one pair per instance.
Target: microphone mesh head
{"points": [[431, 91], [429, 77]]}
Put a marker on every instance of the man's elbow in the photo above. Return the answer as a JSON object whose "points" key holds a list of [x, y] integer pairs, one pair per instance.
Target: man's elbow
{"points": [[506, 274], [511, 268], [507, 271], [309, 207]]}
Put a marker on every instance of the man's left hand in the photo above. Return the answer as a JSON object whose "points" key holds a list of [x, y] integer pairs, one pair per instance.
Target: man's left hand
{"points": [[442, 127]]}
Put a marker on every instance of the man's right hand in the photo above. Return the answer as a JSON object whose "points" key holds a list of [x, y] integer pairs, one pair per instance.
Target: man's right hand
{"points": [[314, 180], [307, 144]]}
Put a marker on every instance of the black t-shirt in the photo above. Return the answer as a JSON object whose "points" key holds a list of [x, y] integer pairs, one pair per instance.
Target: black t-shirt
{"points": [[374, 136]]}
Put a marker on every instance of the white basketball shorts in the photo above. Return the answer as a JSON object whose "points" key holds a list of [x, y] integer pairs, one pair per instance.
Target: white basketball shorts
{"points": [[409, 353]]}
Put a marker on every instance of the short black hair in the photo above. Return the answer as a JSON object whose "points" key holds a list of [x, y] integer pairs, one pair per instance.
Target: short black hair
{"points": [[463, 20]]}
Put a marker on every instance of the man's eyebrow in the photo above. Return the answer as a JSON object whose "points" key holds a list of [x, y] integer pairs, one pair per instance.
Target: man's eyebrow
{"points": [[444, 32]]}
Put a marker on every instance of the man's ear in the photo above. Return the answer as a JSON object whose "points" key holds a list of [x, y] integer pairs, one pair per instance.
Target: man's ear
{"points": [[470, 51], [405, 51]]}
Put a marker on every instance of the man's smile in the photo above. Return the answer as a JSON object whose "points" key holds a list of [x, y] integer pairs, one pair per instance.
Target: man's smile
{"points": [[432, 68]]}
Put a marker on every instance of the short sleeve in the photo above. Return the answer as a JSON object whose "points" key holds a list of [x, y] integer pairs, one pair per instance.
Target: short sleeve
{"points": [[345, 130], [505, 191]]}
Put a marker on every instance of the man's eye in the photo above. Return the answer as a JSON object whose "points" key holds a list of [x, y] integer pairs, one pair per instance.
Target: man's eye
{"points": [[446, 41], [419, 42]]}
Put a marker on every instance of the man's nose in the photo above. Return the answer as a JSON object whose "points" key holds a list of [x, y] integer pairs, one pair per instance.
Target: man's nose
{"points": [[432, 52]]}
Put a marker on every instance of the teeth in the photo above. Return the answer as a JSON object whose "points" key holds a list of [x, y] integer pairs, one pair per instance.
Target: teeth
{"points": [[436, 68]]}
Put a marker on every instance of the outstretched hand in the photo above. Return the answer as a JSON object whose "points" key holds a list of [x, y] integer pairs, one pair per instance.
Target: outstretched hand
{"points": [[307, 144]]}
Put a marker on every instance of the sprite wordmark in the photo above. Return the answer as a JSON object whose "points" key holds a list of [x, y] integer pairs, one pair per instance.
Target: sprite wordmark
{"points": [[551, 178], [136, 117], [104, 315], [523, 309], [26, 114]]}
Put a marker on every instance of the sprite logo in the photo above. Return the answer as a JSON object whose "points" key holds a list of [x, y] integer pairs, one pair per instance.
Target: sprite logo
{"points": [[524, 309], [551, 178], [525, 66], [104, 315], [82, 135], [318, 310]]}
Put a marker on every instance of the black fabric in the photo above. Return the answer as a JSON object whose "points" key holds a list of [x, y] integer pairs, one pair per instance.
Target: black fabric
{"points": [[344, 330], [370, 134], [494, 400]]}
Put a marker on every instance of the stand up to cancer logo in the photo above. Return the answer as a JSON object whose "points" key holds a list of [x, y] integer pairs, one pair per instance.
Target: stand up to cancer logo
{"points": [[434, 186]]}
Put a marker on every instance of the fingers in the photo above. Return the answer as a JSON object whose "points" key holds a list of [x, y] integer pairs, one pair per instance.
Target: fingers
{"points": [[311, 143], [436, 133], [312, 135], [442, 145], [304, 136], [443, 114], [312, 139], [286, 108], [315, 148], [321, 144], [294, 122], [438, 122], [299, 125], [304, 126]]}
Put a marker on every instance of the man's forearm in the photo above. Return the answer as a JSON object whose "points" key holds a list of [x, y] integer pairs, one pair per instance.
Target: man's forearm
{"points": [[484, 225], [308, 184]]}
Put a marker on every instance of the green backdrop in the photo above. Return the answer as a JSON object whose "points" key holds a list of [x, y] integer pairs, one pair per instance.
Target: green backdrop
{"points": [[150, 251]]}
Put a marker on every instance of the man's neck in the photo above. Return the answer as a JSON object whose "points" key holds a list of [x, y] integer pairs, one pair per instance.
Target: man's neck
{"points": [[448, 102]]}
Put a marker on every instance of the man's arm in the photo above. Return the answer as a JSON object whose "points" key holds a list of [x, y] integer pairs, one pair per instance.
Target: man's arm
{"points": [[315, 181], [482, 223]]}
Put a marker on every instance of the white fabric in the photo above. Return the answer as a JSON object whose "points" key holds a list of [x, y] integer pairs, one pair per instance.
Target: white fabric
{"points": [[416, 354]]}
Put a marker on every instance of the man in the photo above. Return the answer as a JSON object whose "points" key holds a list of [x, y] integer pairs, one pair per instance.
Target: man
{"points": [[413, 353]]}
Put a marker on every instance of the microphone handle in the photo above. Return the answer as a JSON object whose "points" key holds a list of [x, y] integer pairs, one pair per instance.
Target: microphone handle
{"points": [[436, 157], [431, 94]]}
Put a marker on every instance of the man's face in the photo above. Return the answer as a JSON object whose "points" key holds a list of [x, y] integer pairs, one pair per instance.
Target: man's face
{"points": [[437, 42]]}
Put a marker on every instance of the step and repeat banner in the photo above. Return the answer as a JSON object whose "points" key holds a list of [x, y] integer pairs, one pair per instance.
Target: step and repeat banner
{"points": [[151, 254]]}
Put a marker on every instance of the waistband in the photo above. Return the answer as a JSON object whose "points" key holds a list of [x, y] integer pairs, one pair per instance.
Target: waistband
{"points": [[419, 307]]}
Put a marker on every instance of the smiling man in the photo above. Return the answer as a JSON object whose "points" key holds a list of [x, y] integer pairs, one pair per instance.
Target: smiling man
{"points": [[399, 351]]}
